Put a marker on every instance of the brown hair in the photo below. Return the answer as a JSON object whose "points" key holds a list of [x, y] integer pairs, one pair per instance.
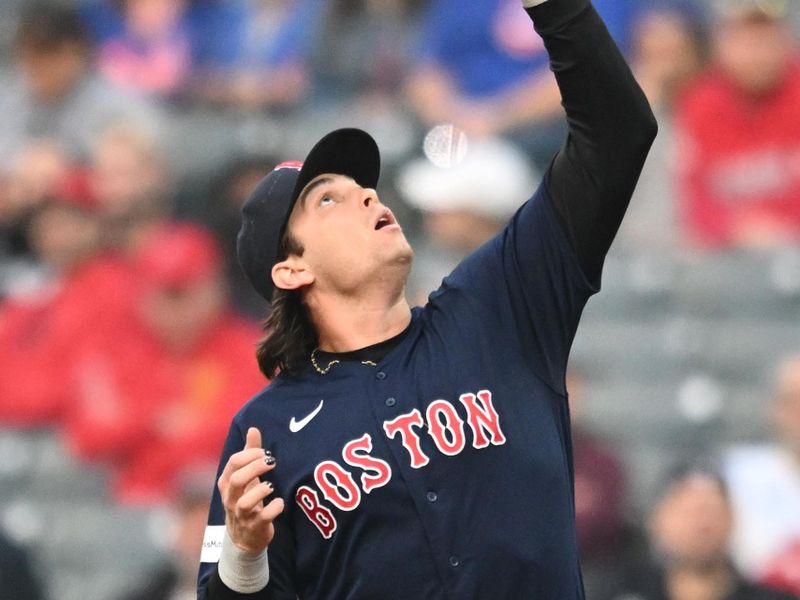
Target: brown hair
{"points": [[290, 335], [45, 27]]}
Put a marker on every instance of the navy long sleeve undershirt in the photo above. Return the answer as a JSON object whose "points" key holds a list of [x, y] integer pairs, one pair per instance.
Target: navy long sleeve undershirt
{"points": [[611, 128]]}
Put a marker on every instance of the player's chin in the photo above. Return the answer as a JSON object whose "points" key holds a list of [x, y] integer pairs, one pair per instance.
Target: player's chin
{"points": [[397, 257], [402, 251]]}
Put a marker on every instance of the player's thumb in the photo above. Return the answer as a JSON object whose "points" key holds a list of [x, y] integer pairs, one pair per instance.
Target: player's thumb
{"points": [[253, 439]]}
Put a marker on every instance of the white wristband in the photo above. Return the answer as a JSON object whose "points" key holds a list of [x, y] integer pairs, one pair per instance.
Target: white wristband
{"points": [[532, 3], [240, 571]]}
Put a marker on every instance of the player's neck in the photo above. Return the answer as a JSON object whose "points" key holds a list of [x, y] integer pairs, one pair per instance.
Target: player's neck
{"points": [[347, 323]]}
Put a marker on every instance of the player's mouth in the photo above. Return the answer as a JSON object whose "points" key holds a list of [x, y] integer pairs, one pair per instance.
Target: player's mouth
{"points": [[386, 220]]}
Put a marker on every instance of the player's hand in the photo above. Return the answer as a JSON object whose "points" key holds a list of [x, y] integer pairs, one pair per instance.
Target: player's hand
{"points": [[248, 516]]}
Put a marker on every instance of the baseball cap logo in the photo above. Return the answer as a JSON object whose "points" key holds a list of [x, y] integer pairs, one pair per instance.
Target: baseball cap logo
{"points": [[290, 164]]}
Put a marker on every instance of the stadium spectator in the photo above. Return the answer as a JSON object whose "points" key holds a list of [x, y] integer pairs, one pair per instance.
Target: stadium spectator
{"points": [[17, 578], [176, 577], [371, 63], [217, 203], [462, 206], [152, 396], [133, 187], [251, 55], [668, 50], [31, 176], [783, 572], [483, 68], [86, 290], [368, 69], [605, 537], [690, 529], [362, 77], [27, 181], [143, 45], [57, 94], [739, 134], [765, 482]]}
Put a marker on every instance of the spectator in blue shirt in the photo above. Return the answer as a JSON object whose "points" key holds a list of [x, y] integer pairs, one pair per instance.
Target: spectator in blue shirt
{"points": [[251, 54], [481, 67]]}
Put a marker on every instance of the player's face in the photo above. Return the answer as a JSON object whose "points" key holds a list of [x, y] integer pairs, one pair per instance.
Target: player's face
{"points": [[350, 239]]}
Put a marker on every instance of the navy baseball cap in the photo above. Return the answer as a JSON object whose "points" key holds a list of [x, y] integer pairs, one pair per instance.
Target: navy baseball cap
{"points": [[350, 152]]}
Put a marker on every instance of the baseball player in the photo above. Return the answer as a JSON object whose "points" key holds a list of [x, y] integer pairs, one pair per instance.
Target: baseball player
{"points": [[422, 453]]}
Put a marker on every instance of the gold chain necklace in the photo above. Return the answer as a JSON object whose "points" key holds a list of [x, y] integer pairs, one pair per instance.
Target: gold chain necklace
{"points": [[324, 371]]}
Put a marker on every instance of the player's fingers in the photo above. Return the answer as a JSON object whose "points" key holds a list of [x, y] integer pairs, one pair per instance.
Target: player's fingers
{"points": [[271, 511], [239, 479], [253, 439], [253, 497], [253, 483], [239, 460], [252, 449]]}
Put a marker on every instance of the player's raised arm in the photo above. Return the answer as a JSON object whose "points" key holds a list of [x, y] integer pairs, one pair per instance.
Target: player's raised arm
{"points": [[611, 127]]}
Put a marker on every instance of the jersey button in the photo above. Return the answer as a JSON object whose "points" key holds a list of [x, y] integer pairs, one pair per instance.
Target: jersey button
{"points": [[390, 402], [454, 561], [380, 375], [432, 496]]}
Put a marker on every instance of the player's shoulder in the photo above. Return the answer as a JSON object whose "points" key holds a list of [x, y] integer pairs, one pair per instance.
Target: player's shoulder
{"points": [[272, 396], [276, 399]]}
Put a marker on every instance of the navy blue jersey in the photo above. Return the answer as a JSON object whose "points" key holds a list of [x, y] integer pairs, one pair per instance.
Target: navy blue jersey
{"points": [[444, 471]]}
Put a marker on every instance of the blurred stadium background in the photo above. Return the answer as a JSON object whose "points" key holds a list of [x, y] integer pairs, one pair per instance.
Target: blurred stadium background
{"points": [[132, 130]]}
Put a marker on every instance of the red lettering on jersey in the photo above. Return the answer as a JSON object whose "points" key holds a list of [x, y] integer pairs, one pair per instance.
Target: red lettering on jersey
{"points": [[408, 437], [319, 515], [483, 419], [448, 433], [356, 454], [337, 485]]}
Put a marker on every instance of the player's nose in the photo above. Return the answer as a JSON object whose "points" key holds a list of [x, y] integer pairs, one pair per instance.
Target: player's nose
{"points": [[369, 197]]}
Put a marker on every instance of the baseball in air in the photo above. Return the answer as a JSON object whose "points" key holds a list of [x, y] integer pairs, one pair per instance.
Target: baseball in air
{"points": [[445, 145]]}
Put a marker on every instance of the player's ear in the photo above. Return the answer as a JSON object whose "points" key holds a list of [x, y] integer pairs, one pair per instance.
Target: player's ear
{"points": [[291, 274]]}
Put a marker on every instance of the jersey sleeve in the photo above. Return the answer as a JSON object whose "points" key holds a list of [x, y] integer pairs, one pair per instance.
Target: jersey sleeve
{"points": [[524, 288], [280, 552]]}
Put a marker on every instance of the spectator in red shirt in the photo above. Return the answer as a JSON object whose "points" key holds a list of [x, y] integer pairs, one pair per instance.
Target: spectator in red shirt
{"points": [[153, 396], [86, 291], [739, 132]]}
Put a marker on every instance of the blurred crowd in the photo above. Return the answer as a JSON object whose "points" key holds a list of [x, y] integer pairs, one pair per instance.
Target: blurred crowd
{"points": [[132, 131]]}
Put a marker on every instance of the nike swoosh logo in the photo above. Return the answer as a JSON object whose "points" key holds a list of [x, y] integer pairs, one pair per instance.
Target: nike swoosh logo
{"points": [[295, 425]]}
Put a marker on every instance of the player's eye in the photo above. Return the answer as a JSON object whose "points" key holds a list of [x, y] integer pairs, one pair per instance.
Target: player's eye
{"points": [[326, 200]]}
